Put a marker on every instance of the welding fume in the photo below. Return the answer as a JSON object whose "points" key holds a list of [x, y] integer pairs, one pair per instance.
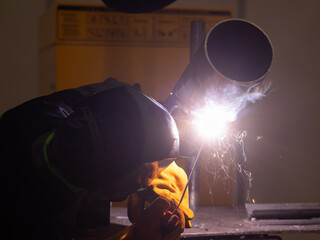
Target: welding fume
{"points": [[67, 155], [226, 72]]}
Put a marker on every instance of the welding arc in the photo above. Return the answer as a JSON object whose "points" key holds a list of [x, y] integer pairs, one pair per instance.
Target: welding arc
{"points": [[190, 175]]}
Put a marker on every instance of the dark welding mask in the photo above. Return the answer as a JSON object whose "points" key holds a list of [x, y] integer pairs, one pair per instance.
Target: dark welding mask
{"points": [[116, 141]]}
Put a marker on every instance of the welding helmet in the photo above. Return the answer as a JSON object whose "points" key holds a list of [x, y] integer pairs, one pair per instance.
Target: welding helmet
{"points": [[115, 140]]}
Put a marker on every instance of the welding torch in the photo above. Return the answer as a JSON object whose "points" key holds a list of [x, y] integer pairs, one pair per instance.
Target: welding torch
{"points": [[169, 219]]}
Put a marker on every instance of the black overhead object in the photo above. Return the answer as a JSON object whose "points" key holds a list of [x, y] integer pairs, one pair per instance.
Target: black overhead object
{"points": [[137, 6]]}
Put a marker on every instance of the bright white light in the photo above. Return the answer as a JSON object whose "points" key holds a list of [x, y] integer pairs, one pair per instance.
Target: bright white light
{"points": [[212, 121]]}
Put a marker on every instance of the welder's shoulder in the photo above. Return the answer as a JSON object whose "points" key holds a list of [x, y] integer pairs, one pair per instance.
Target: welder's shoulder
{"points": [[100, 87], [60, 103]]}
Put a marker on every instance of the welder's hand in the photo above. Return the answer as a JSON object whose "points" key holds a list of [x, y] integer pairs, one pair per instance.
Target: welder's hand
{"points": [[156, 223], [170, 184]]}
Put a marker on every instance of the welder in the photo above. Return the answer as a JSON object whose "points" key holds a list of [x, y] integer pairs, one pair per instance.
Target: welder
{"points": [[64, 156]]}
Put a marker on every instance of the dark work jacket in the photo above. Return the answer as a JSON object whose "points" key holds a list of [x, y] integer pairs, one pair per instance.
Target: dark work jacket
{"points": [[32, 205], [30, 208]]}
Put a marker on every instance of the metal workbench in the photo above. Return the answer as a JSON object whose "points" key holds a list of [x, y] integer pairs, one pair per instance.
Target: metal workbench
{"points": [[232, 223]]}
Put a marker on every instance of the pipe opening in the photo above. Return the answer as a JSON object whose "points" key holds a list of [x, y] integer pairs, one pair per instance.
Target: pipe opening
{"points": [[239, 50]]}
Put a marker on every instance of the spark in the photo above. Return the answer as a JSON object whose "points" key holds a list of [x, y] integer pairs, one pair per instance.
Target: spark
{"points": [[224, 146], [212, 121], [226, 156], [259, 138]]}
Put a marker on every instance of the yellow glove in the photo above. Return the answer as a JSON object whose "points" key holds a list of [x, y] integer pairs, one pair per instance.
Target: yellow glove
{"points": [[148, 209], [170, 184]]}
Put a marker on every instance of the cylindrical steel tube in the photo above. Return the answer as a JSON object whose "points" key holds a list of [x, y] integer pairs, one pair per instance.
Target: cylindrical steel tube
{"points": [[197, 36], [234, 51]]}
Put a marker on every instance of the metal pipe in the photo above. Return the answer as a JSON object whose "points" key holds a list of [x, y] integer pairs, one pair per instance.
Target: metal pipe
{"points": [[197, 35], [234, 51]]}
